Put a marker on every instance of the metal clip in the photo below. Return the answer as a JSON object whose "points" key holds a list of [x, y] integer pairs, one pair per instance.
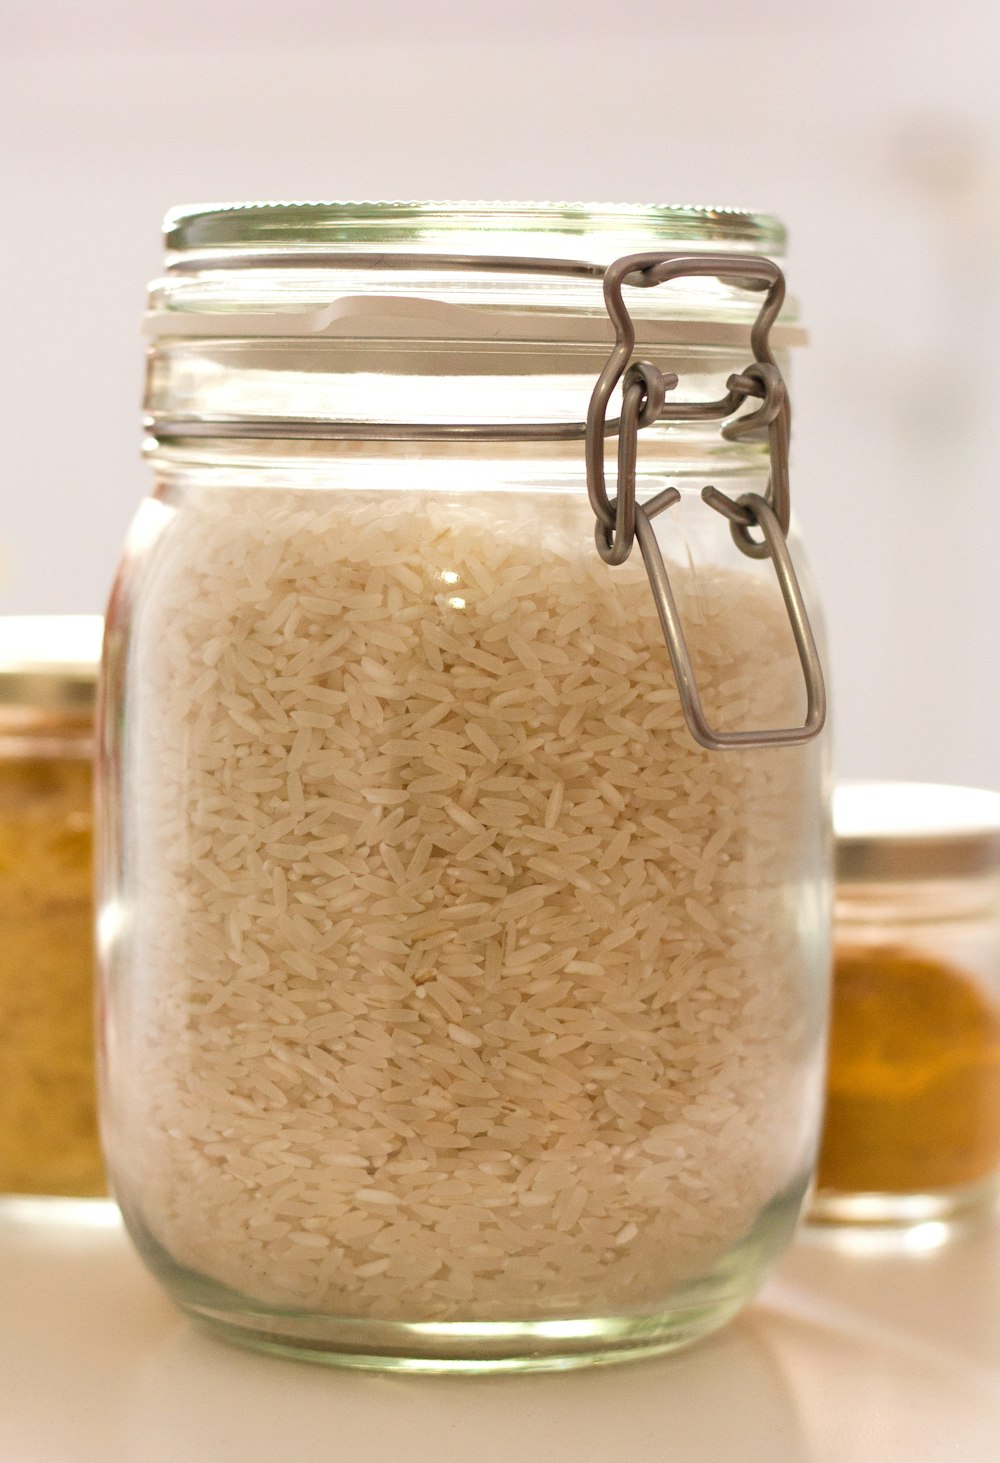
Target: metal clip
{"points": [[751, 508], [621, 520]]}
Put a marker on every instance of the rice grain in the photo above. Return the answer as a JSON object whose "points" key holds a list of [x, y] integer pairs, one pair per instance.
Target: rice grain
{"points": [[482, 995]]}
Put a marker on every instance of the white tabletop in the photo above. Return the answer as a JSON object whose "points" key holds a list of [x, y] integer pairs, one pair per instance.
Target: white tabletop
{"points": [[845, 1358]]}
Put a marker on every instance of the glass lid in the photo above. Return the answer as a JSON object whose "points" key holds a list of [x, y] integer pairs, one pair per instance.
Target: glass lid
{"points": [[578, 229], [312, 269]]}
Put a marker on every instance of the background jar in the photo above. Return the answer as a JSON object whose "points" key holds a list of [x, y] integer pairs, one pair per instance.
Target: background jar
{"points": [[48, 1125], [463, 1011], [913, 1110]]}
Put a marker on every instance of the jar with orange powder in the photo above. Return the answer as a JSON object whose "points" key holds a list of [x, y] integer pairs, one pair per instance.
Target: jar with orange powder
{"points": [[913, 1106]]}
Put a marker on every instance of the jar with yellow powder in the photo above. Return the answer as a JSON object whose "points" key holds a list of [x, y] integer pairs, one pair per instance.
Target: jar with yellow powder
{"points": [[48, 1130], [912, 1127]]}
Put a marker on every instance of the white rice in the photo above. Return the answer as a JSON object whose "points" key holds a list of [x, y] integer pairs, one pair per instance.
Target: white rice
{"points": [[464, 984]]}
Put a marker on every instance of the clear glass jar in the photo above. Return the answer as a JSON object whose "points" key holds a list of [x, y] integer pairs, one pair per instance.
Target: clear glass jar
{"points": [[463, 1011], [48, 1119], [912, 1130]]}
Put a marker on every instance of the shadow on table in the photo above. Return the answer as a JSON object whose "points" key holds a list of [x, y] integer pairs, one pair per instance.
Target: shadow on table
{"points": [[724, 1401]]}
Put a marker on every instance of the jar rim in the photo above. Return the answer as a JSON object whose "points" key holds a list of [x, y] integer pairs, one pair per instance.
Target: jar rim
{"points": [[910, 831], [429, 225], [50, 662]]}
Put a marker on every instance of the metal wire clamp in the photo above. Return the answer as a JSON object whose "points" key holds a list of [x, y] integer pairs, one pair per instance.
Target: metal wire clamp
{"points": [[621, 520]]}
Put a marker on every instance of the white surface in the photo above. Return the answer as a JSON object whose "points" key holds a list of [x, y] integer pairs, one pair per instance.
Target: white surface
{"points": [[845, 1358]]}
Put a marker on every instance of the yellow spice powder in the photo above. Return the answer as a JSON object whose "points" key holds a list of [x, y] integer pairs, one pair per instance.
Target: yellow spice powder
{"points": [[913, 1094], [48, 1126]]}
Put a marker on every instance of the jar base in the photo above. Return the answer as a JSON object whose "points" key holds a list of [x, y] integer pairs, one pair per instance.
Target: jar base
{"points": [[834, 1208], [476, 1349], [693, 1309]]}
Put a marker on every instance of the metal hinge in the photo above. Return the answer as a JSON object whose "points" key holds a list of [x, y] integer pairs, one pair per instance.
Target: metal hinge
{"points": [[621, 521]]}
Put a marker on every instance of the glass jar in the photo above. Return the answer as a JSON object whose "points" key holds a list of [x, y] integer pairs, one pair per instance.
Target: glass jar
{"points": [[463, 1010], [912, 1129], [48, 1122]]}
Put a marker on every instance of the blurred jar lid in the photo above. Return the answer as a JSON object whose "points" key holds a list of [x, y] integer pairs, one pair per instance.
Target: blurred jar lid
{"points": [[49, 662], [914, 830]]}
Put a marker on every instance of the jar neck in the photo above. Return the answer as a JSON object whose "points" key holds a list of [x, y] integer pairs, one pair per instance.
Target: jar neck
{"points": [[363, 385], [918, 901]]}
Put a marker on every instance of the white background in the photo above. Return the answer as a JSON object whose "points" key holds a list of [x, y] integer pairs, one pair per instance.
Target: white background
{"points": [[872, 130]]}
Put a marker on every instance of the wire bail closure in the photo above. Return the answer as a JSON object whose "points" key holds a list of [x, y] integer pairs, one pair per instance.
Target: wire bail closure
{"points": [[621, 520]]}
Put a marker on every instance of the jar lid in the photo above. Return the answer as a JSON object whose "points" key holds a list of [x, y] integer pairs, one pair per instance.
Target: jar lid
{"points": [[49, 662], [474, 226], [480, 273], [897, 831]]}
